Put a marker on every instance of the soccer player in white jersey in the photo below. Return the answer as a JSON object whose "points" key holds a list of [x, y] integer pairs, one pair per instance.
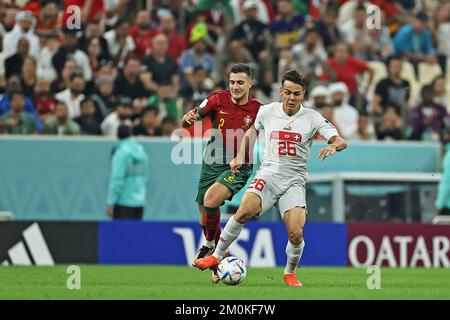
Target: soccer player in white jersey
{"points": [[289, 130]]}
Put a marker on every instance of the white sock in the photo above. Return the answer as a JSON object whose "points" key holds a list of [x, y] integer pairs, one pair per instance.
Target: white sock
{"points": [[229, 234], [210, 244], [293, 253]]}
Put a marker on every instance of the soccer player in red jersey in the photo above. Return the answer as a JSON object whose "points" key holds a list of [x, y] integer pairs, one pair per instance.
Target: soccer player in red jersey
{"points": [[233, 112]]}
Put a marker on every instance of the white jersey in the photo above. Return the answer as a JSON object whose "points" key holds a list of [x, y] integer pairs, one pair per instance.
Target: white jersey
{"points": [[289, 139]]}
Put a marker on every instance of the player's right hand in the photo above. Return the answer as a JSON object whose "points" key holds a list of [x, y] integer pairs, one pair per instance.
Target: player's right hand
{"points": [[235, 164], [191, 116]]}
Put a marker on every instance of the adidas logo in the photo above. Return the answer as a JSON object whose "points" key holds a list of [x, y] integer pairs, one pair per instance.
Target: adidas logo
{"points": [[34, 251]]}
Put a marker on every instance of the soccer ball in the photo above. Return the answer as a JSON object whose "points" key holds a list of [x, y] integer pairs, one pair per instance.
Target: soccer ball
{"points": [[231, 271]]}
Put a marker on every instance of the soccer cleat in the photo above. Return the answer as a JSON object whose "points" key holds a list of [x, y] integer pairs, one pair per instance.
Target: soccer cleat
{"points": [[203, 252], [207, 263], [291, 280]]}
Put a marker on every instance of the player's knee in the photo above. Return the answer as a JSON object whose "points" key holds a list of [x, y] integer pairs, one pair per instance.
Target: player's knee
{"points": [[211, 201], [296, 236], [244, 214]]}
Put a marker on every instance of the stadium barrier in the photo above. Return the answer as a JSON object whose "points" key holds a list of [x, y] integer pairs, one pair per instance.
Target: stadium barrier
{"points": [[48, 178], [261, 244]]}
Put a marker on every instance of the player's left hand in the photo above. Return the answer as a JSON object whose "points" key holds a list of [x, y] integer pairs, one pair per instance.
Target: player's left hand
{"points": [[325, 152]]}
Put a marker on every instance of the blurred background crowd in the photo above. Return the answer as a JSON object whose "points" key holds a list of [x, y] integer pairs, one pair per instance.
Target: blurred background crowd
{"points": [[378, 70]]}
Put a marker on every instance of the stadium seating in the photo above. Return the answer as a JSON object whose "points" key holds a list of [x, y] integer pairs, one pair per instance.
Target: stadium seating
{"points": [[427, 72]]}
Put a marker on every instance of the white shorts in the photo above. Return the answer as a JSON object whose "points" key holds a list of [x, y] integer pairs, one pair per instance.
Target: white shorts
{"points": [[284, 198]]}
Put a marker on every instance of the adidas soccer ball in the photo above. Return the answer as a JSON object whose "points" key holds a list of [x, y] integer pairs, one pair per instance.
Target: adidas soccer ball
{"points": [[231, 271]]}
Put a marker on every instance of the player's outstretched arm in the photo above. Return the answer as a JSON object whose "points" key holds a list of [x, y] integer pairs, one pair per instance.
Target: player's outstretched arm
{"points": [[336, 143], [189, 118], [246, 145]]}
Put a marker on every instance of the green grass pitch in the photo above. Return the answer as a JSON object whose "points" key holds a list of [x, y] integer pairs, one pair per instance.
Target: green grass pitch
{"points": [[185, 283]]}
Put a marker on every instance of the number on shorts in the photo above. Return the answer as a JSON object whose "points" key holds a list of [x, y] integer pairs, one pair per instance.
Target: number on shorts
{"points": [[287, 148], [257, 184]]}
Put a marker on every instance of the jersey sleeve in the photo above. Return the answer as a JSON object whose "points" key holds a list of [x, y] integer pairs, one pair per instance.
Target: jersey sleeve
{"points": [[207, 105], [259, 121], [324, 127]]}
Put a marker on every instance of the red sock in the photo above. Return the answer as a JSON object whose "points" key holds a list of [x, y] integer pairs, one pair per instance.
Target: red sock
{"points": [[218, 232], [212, 222]]}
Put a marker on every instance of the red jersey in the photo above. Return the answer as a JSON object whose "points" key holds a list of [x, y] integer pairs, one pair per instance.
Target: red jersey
{"points": [[142, 40], [348, 71], [231, 120]]}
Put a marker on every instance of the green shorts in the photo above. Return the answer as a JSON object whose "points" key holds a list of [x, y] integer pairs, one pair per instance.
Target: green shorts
{"points": [[211, 174]]}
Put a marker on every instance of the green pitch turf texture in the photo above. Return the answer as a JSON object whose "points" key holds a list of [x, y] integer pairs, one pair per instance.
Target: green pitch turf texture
{"points": [[185, 283]]}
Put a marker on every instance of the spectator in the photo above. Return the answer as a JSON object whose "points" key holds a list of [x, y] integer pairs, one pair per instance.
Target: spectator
{"points": [[45, 66], [240, 7], [236, 53], [427, 119], [162, 70], [287, 25], [328, 29], [23, 28], [197, 55], [59, 123], [94, 30], [16, 120], [392, 91], [73, 95], [128, 82], [345, 68], [254, 34], [309, 56], [162, 77], [366, 129], [13, 64], [63, 80], [121, 115], [168, 126], [442, 36], [69, 49], [46, 14], [177, 43], [104, 96], [142, 33], [266, 90], [94, 53], [391, 126], [413, 41], [318, 98], [87, 122], [356, 34], [114, 11], [120, 43], [15, 86], [348, 9], [28, 77], [148, 124], [43, 99], [440, 94], [345, 115], [127, 188]]}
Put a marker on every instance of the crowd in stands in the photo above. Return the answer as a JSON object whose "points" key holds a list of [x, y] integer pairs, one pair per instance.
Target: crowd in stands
{"points": [[377, 69]]}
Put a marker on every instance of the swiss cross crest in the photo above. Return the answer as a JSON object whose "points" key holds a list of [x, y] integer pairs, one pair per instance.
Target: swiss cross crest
{"points": [[297, 137], [248, 120]]}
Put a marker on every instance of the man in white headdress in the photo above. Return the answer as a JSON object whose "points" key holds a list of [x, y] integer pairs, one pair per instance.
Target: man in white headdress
{"points": [[345, 115], [23, 28]]}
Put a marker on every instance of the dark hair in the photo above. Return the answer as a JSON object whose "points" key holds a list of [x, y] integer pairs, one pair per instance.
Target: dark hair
{"points": [[16, 93], [198, 67], [169, 119], [293, 76], [87, 100], [150, 109], [242, 68], [392, 58], [124, 131]]}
